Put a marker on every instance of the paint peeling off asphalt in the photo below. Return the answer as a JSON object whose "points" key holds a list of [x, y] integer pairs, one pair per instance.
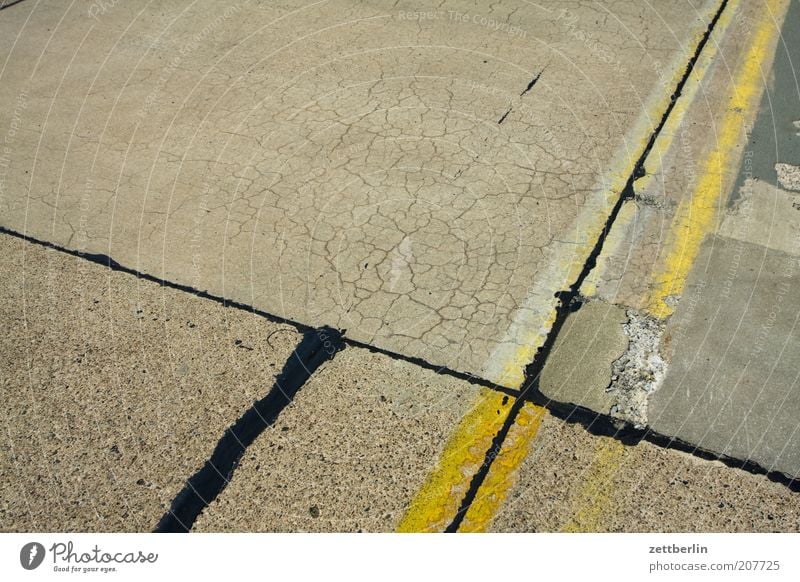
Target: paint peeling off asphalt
{"points": [[639, 371]]}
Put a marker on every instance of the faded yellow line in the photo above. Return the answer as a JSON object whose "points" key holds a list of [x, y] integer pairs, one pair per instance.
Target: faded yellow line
{"points": [[537, 312], [436, 504], [694, 219], [697, 216], [616, 237], [503, 472], [535, 318], [690, 91], [595, 498], [661, 147], [438, 501]]}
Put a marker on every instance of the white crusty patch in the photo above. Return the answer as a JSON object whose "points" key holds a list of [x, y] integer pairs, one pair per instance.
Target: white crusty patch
{"points": [[788, 176], [640, 370]]}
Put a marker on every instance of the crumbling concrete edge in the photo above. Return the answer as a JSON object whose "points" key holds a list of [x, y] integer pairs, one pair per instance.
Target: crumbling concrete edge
{"points": [[640, 371]]}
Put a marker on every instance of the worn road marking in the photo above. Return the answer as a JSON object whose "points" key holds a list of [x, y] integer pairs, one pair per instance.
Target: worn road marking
{"points": [[697, 216], [661, 147], [505, 467], [534, 317], [667, 136], [618, 234], [597, 491], [437, 502]]}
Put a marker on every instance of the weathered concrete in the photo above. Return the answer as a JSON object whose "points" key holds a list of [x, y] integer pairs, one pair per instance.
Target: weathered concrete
{"points": [[732, 385], [578, 370], [426, 180], [573, 481], [388, 171], [114, 390], [117, 390], [764, 215], [348, 454], [775, 136], [637, 245]]}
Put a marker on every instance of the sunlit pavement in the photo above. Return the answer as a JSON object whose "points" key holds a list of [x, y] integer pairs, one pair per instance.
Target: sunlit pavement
{"points": [[346, 267]]}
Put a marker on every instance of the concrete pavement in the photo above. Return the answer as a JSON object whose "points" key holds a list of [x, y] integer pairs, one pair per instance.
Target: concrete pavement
{"points": [[733, 378], [733, 382], [575, 482], [118, 390], [115, 390], [426, 180], [717, 246], [564, 199]]}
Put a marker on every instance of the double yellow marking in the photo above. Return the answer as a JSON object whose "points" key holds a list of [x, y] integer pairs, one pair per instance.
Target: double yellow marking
{"points": [[694, 219], [502, 475], [661, 147], [697, 216], [438, 501]]}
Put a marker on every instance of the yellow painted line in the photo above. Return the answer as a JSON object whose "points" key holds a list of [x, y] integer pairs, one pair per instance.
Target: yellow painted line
{"points": [[504, 470], [697, 216], [660, 148], [694, 219], [596, 495], [513, 365], [533, 318], [690, 91], [437, 502]]}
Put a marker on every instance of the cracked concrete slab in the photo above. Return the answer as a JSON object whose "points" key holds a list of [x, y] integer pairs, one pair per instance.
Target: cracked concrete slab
{"points": [[342, 164], [426, 179], [115, 389], [737, 393], [607, 359], [637, 245], [729, 385]]}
